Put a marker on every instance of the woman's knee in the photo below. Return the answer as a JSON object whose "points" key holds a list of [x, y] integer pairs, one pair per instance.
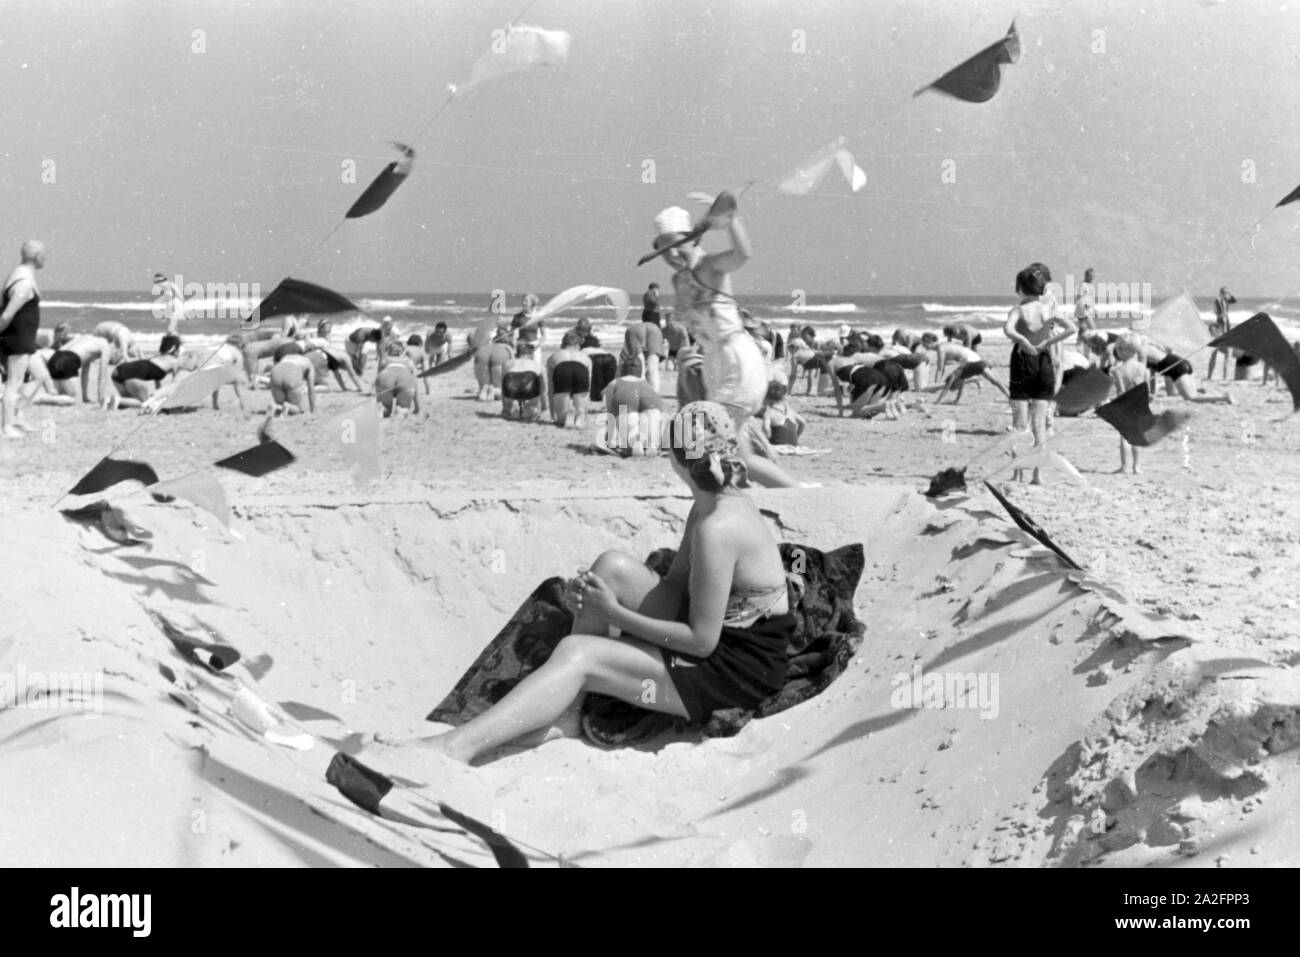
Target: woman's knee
{"points": [[615, 566]]}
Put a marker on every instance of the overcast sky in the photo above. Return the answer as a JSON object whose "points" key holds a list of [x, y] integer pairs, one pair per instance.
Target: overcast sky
{"points": [[1121, 149]]}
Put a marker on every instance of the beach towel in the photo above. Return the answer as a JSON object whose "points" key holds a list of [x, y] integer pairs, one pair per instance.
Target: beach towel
{"points": [[826, 638]]}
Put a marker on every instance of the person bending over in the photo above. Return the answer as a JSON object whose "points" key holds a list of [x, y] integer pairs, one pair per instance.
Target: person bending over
{"points": [[293, 386], [135, 381], [568, 370], [395, 384], [523, 385]]}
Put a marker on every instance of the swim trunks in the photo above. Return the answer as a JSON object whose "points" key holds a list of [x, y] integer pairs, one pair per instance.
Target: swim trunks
{"points": [[1172, 367], [1032, 376], [63, 365], [521, 386], [570, 378], [142, 369], [865, 378]]}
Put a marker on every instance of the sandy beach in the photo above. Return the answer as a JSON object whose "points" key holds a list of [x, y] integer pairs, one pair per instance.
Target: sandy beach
{"points": [[363, 605]]}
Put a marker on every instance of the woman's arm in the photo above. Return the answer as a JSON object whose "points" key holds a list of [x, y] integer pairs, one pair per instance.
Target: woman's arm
{"points": [[713, 564], [735, 257]]}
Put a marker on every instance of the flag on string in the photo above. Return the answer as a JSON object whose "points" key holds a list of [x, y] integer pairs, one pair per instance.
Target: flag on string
{"points": [[1031, 527], [442, 368], [1259, 336], [384, 185], [296, 297], [977, 80], [1131, 416], [617, 298], [261, 459], [809, 174], [195, 387], [1084, 391], [518, 47], [1175, 324], [354, 435], [109, 472], [1290, 197], [200, 488]]}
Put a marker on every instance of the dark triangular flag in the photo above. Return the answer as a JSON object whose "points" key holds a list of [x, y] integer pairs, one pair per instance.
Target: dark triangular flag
{"points": [[1290, 197], [384, 185], [977, 79], [111, 471], [1260, 336], [296, 297], [506, 854], [448, 366], [261, 459], [1132, 417], [1029, 526], [1084, 391], [220, 657]]}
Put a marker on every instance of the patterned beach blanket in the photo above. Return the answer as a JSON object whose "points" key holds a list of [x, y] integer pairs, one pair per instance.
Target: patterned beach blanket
{"points": [[826, 638]]}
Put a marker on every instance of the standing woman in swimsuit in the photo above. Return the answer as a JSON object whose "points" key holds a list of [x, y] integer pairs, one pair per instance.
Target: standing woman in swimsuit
{"points": [[136, 380], [20, 318], [1033, 328], [709, 635]]}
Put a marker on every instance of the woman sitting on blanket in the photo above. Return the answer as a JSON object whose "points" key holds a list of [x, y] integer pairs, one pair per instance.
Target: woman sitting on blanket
{"points": [[709, 635]]}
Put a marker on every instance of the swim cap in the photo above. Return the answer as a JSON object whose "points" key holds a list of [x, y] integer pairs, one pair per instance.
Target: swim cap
{"points": [[704, 435]]}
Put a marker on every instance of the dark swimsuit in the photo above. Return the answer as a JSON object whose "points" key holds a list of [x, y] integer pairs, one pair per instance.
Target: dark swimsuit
{"points": [[748, 664], [63, 365], [1171, 367], [19, 337], [785, 434], [290, 348], [570, 377], [143, 369], [521, 386], [865, 378], [604, 370], [1032, 376]]}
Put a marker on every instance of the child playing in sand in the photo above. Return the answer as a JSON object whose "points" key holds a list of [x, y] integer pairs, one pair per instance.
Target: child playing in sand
{"points": [[781, 424], [711, 634]]}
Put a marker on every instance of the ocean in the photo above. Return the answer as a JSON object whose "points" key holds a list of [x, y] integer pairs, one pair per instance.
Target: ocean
{"points": [[212, 320]]}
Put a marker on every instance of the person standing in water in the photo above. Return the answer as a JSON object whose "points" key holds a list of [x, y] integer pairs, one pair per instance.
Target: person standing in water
{"points": [[20, 319], [734, 373]]}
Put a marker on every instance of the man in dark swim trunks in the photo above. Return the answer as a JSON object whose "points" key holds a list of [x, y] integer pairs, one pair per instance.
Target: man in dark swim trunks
{"points": [[20, 318], [569, 372]]}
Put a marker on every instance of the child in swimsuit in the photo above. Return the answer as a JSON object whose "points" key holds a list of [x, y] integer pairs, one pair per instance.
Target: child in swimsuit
{"points": [[1127, 371], [711, 634], [781, 424]]}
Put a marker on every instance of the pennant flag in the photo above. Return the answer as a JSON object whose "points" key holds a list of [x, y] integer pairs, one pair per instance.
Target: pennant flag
{"points": [[809, 174], [1084, 391], [442, 368], [367, 789], [1031, 527], [1260, 336], [194, 388], [384, 185], [1176, 325], [200, 488], [296, 297], [220, 656], [1046, 459], [262, 459], [519, 48], [977, 80], [617, 298], [354, 435], [111, 471], [1290, 197], [1132, 418]]}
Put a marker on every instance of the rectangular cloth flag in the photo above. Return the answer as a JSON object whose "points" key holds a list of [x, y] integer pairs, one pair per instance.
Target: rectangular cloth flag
{"points": [[1260, 336], [200, 488], [261, 459], [111, 471], [1177, 325], [518, 48], [1084, 391], [1132, 417]]}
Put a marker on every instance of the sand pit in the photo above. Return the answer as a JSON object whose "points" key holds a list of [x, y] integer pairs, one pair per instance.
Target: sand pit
{"points": [[1094, 733]]}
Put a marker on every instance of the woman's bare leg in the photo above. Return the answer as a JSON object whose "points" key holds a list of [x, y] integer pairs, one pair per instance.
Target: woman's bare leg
{"points": [[1038, 423], [1183, 384]]}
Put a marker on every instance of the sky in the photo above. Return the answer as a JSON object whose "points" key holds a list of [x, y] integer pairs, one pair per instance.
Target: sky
{"points": [[208, 140]]}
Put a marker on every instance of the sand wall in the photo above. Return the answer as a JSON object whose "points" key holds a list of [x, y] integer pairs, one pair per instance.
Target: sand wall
{"points": [[1095, 734]]}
